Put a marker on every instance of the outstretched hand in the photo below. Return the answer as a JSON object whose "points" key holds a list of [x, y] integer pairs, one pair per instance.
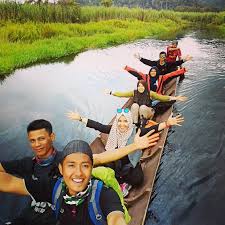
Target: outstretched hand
{"points": [[137, 56], [188, 58], [177, 120], [107, 91], [181, 98], [73, 115], [148, 140]]}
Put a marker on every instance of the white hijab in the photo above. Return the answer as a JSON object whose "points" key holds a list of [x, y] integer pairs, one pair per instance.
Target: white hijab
{"points": [[116, 139]]}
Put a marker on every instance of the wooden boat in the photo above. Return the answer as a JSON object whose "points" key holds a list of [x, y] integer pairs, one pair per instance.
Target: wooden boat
{"points": [[139, 198]]}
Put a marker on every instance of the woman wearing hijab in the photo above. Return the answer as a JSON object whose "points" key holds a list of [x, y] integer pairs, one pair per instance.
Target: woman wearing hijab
{"points": [[142, 106], [121, 133], [154, 80]]}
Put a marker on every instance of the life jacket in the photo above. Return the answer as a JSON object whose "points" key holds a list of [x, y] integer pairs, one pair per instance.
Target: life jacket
{"points": [[172, 54], [150, 123], [94, 208]]}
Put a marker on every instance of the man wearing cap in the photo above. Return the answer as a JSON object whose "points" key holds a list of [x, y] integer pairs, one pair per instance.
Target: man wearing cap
{"points": [[75, 166], [41, 139]]}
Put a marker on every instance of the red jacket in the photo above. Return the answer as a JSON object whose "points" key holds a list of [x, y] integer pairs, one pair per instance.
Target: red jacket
{"points": [[172, 54], [161, 78]]}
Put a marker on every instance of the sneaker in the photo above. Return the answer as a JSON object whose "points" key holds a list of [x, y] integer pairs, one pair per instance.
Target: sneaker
{"points": [[125, 187]]}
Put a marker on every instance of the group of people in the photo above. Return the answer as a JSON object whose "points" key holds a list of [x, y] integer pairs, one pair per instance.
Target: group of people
{"points": [[64, 186]]}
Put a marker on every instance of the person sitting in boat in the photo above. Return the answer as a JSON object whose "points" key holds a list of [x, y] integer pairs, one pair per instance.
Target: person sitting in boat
{"points": [[173, 52], [76, 197], [142, 106], [121, 133], [41, 136], [154, 80], [163, 66]]}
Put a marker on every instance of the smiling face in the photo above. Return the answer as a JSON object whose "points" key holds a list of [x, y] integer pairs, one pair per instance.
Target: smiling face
{"points": [[153, 73], [76, 171], [41, 142], [162, 58], [141, 88], [122, 124]]}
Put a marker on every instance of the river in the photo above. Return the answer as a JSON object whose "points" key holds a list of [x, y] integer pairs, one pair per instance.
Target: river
{"points": [[190, 188]]}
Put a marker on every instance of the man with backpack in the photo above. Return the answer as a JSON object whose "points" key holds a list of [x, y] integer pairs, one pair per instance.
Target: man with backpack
{"points": [[76, 197], [41, 137]]}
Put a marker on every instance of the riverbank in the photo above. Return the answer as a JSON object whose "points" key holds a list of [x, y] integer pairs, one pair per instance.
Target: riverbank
{"points": [[23, 44], [31, 34]]}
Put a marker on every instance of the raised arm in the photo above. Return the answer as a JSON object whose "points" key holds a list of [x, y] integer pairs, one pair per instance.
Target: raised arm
{"points": [[89, 123], [127, 94], [148, 140], [166, 98], [174, 73], [172, 121], [135, 73], [145, 61], [12, 184], [180, 62]]}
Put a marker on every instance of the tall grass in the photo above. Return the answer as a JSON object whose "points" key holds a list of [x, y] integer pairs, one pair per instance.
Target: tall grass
{"points": [[73, 13], [30, 42], [27, 34], [39, 13]]}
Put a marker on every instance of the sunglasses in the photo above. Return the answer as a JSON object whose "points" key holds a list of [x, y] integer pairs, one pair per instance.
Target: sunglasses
{"points": [[126, 110]]}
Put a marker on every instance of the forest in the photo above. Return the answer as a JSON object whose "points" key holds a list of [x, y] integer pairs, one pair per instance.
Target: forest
{"points": [[179, 5]]}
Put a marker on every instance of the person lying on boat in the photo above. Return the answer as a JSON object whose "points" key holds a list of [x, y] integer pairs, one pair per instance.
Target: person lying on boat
{"points": [[142, 101], [77, 198], [154, 80], [173, 52], [163, 66], [41, 137], [121, 133]]}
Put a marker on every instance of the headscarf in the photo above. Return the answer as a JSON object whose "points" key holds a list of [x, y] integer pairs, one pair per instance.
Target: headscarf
{"points": [[153, 80], [142, 98], [116, 139]]}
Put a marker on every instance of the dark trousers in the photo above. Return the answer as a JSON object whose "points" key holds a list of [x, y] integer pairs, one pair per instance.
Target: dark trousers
{"points": [[127, 173]]}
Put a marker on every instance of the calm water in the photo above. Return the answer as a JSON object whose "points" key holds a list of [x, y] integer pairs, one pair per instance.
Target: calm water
{"points": [[190, 188]]}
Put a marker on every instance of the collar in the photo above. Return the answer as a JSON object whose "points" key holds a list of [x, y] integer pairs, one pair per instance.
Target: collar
{"points": [[47, 161]]}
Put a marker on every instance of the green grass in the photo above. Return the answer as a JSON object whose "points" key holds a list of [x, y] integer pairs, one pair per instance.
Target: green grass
{"points": [[33, 33], [27, 43], [39, 13]]}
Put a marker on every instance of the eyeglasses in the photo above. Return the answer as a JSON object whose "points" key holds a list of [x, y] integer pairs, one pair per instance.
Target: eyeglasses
{"points": [[126, 110]]}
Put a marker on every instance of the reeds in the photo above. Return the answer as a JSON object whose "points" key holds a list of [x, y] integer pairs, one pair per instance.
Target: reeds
{"points": [[32, 33], [23, 44], [39, 13], [73, 14]]}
